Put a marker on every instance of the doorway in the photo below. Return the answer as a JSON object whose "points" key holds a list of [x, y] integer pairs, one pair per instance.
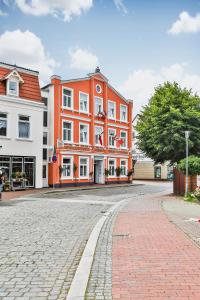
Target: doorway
{"points": [[98, 171]]}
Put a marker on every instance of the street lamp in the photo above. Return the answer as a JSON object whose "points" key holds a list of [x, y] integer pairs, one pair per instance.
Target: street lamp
{"points": [[187, 134]]}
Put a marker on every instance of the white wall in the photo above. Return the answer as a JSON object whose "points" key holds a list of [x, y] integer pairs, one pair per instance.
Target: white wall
{"points": [[11, 145]]}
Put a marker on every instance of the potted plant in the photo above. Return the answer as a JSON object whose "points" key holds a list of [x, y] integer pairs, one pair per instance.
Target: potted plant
{"points": [[118, 172], [91, 175], [107, 173], [7, 186]]}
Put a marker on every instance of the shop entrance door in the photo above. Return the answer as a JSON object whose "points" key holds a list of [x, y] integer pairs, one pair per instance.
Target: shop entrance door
{"points": [[98, 171]]}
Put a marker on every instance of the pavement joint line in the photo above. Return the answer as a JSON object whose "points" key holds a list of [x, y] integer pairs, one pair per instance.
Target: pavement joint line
{"points": [[80, 281], [70, 200]]}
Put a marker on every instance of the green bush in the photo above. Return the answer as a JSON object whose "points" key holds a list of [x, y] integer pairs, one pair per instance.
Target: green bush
{"points": [[193, 165]]}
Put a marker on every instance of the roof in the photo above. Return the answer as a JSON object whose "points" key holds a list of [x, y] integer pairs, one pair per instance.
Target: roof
{"points": [[11, 66], [29, 88]]}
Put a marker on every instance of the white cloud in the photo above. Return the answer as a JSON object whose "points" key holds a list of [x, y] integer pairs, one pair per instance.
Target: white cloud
{"points": [[185, 24], [26, 49], [82, 59], [57, 8], [3, 14], [140, 84], [120, 6]]}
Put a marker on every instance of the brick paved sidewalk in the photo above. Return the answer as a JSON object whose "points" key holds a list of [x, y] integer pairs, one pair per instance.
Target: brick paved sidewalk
{"points": [[152, 258]]}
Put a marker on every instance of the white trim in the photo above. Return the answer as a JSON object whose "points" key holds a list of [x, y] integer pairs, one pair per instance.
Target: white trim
{"points": [[93, 154], [126, 160], [109, 146], [14, 73], [8, 92], [88, 133], [118, 126], [83, 157], [72, 132], [75, 117], [114, 159], [98, 122], [88, 100], [72, 163], [22, 101], [126, 113], [72, 98], [110, 118], [121, 147]]}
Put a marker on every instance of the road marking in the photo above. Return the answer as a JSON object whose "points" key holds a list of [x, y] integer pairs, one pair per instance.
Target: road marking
{"points": [[79, 284], [99, 202]]}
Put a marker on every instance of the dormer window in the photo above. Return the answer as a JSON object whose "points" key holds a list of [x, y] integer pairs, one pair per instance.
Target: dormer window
{"points": [[13, 88]]}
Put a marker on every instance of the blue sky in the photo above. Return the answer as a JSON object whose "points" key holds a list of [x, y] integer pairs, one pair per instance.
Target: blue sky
{"points": [[129, 40]]}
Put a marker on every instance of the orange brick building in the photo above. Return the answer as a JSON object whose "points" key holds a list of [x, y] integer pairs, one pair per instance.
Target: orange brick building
{"points": [[90, 131]]}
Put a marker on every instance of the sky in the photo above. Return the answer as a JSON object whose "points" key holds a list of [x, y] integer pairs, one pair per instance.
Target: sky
{"points": [[137, 44]]}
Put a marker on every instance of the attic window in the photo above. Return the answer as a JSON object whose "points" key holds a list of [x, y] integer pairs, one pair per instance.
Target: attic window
{"points": [[12, 87]]}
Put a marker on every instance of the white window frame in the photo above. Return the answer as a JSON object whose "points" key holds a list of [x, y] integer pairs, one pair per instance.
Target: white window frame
{"points": [[72, 98], [101, 99], [26, 116], [72, 131], [110, 117], [126, 167], [99, 145], [87, 158], [122, 105], [88, 133], [126, 145], [8, 92], [110, 146], [4, 119], [71, 164], [115, 163], [83, 111]]}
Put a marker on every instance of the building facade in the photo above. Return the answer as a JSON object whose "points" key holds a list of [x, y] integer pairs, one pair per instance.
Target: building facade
{"points": [[21, 127], [90, 130]]}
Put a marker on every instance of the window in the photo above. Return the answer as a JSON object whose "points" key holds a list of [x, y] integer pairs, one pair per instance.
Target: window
{"points": [[3, 124], [24, 127], [44, 154], [67, 98], [111, 110], [123, 113], [98, 135], [67, 167], [12, 88], [84, 133], [123, 136], [157, 172], [83, 167], [45, 117], [44, 138], [83, 102], [111, 137], [98, 89], [44, 171], [67, 131], [98, 105], [123, 166], [112, 166], [45, 100]]}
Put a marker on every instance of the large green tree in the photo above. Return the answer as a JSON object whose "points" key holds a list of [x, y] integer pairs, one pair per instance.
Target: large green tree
{"points": [[161, 124]]}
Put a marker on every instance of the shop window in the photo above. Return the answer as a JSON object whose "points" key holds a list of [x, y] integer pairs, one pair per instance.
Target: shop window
{"points": [[112, 166], [123, 165], [3, 124], [67, 167], [83, 102], [67, 98], [83, 167], [24, 127], [67, 131], [157, 172]]}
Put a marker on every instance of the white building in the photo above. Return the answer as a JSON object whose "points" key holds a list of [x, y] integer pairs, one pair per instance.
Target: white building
{"points": [[21, 127]]}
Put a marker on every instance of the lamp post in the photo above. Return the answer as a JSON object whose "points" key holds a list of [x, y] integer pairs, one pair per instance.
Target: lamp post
{"points": [[187, 134]]}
